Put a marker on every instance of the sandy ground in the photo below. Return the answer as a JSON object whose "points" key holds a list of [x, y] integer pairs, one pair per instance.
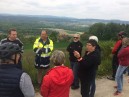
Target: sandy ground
{"points": [[104, 88]]}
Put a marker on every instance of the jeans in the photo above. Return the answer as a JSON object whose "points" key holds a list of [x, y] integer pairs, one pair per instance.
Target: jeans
{"points": [[126, 70], [74, 67], [119, 77]]}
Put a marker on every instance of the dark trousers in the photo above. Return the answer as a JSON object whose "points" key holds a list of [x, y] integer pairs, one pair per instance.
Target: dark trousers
{"points": [[115, 65], [114, 69], [93, 86], [74, 67], [85, 87]]}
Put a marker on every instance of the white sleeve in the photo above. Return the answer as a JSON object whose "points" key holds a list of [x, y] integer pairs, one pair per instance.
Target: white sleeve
{"points": [[26, 86]]}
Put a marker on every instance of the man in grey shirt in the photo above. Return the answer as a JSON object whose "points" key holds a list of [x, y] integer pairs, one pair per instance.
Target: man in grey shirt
{"points": [[13, 81]]}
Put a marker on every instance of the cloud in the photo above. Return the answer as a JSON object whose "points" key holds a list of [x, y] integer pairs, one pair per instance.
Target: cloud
{"points": [[99, 9]]}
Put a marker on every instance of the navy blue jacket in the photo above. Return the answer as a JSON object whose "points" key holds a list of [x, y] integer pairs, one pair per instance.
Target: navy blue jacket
{"points": [[10, 81]]}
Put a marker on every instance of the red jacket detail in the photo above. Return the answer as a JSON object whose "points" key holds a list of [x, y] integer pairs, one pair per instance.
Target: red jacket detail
{"points": [[57, 82], [123, 56], [116, 46]]}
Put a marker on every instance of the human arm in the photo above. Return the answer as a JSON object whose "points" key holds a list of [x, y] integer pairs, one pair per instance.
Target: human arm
{"points": [[26, 86], [3, 40], [45, 87], [116, 46], [20, 44], [90, 59], [36, 47], [40, 48], [77, 54], [50, 47], [0, 42]]}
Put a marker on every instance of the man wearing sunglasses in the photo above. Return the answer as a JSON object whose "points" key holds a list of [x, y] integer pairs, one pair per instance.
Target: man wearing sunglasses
{"points": [[75, 45]]}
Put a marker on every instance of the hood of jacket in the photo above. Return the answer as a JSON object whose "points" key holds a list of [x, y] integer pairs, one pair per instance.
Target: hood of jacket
{"points": [[60, 75]]}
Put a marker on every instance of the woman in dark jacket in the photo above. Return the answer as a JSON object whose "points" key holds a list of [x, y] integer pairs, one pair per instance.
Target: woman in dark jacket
{"points": [[93, 85], [88, 66]]}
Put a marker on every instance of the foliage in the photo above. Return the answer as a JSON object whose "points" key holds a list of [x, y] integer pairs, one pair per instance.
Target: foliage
{"points": [[107, 31], [53, 35], [106, 57], [2, 36]]}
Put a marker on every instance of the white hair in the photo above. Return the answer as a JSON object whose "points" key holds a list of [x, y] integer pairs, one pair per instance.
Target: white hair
{"points": [[94, 38]]}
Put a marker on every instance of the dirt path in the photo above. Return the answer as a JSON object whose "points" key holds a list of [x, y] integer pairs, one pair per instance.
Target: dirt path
{"points": [[104, 88]]}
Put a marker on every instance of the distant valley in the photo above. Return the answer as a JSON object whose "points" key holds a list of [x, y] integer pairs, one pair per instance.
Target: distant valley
{"points": [[34, 23]]}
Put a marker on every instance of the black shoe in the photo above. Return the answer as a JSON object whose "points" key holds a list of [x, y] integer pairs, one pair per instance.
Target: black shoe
{"points": [[74, 87], [111, 78]]}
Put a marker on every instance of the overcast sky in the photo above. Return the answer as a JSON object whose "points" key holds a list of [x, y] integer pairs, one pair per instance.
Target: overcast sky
{"points": [[96, 9]]}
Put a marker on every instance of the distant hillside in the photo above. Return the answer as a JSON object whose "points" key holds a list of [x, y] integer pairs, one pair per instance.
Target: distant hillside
{"points": [[32, 22], [48, 18]]}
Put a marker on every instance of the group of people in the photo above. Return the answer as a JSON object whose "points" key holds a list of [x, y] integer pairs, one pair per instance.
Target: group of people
{"points": [[14, 82], [84, 68], [120, 61], [61, 77]]}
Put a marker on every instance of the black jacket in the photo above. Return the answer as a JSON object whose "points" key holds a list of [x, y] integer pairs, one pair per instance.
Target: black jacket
{"points": [[74, 46], [89, 64]]}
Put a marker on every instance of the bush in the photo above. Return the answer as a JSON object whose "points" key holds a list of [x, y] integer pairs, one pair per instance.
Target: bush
{"points": [[106, 67]]}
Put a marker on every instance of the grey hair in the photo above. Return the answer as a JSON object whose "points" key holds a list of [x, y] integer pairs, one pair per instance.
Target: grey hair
{"points": [[125, 41], [57, 58]]}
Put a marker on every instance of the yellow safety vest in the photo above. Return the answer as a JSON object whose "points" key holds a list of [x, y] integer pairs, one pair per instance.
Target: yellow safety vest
{"points": [[39, 45]]}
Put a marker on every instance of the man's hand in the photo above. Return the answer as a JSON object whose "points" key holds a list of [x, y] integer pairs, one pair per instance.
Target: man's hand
{"points": [[76, 54]]}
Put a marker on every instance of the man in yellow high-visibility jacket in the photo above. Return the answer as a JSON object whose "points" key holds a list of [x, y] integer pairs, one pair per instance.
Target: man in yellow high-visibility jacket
{"points": [[43, 47]]}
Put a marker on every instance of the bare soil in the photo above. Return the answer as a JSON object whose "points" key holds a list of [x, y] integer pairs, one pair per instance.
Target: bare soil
{"points": [[104, 88]]}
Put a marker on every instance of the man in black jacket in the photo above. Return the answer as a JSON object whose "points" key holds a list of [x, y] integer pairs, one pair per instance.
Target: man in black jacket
{"points": [[76, 45]]}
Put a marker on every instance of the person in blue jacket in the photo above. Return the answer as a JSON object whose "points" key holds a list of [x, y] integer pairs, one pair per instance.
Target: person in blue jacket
{"points": [[13, 81]]}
